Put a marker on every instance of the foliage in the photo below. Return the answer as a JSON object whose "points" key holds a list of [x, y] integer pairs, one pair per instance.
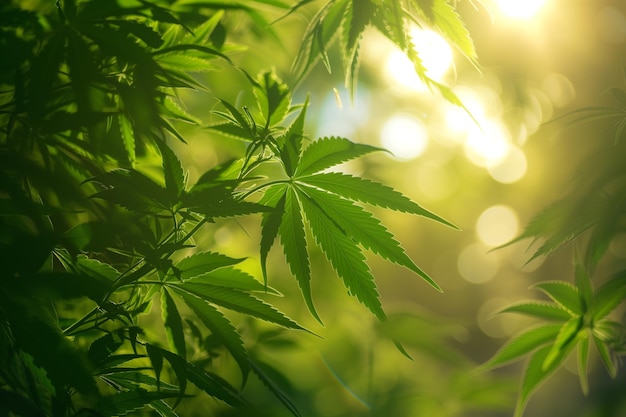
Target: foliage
{"points": [[111, 303], [93, 238], [590, 216]]}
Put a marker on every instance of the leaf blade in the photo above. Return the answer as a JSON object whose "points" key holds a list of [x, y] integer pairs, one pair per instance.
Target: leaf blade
{"points": [[370, 192], [328, 152]]}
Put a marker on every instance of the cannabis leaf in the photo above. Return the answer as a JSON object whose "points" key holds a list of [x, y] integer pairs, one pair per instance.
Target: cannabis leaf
{"points": [[327, 203], [348, 20], [577, 314]]}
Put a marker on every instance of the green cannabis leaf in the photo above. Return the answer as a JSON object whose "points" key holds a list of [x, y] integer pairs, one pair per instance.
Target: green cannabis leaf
{"points": [[577, 315], [348, 20], [327, 203]]}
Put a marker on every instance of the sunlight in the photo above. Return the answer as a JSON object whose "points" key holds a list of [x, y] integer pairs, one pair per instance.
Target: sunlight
{"points": [[434, 52], [476, 265], [405, 136], [458, 121], [520, 9], [487, 144], [339, 120], [497, 225], [511, 168]]}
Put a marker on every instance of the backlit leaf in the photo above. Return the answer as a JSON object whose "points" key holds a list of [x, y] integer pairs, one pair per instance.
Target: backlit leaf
{"points": [[187, 63], [344, 255], [273, 97], [232, 278], [523, 344], [539, 310], [360, 225], [293, 240], [328, 152], [172, 170], [448, 21], [563, 293], [535, 374], [564, 340], [220, 327], [292, 142], [583, 360], [369, 192]]}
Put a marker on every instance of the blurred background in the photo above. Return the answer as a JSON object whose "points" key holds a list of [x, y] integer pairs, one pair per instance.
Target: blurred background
{"points": [[488, 169]]}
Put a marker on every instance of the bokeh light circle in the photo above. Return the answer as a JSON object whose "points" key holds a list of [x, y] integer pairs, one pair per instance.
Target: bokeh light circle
{"points": [[488, 143], [511, 168], [476, 265], [497, 225]]}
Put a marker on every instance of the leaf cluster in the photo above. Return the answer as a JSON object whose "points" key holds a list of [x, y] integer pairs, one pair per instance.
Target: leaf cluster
{"points": [[347, 20], [93, 238], [589, 217]]}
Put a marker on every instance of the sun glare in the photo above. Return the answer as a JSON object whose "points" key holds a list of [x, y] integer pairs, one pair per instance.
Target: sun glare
{"points": [[488, 143], [520, 9], [434, 52], [404, 136]]}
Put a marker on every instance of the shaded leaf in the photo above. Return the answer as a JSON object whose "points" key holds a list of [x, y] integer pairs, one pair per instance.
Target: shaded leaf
{"points": [[202, 263], [172, 171], [123, 403], [101, 348], [133, 190], [269, 230], [133, 379], [148, 35], [163, 408], [610, 295], [220, 328], [208, 382], [173, 324], [263, 370], [605, 354], [239, 301], [156, 359], [43, 73]]}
